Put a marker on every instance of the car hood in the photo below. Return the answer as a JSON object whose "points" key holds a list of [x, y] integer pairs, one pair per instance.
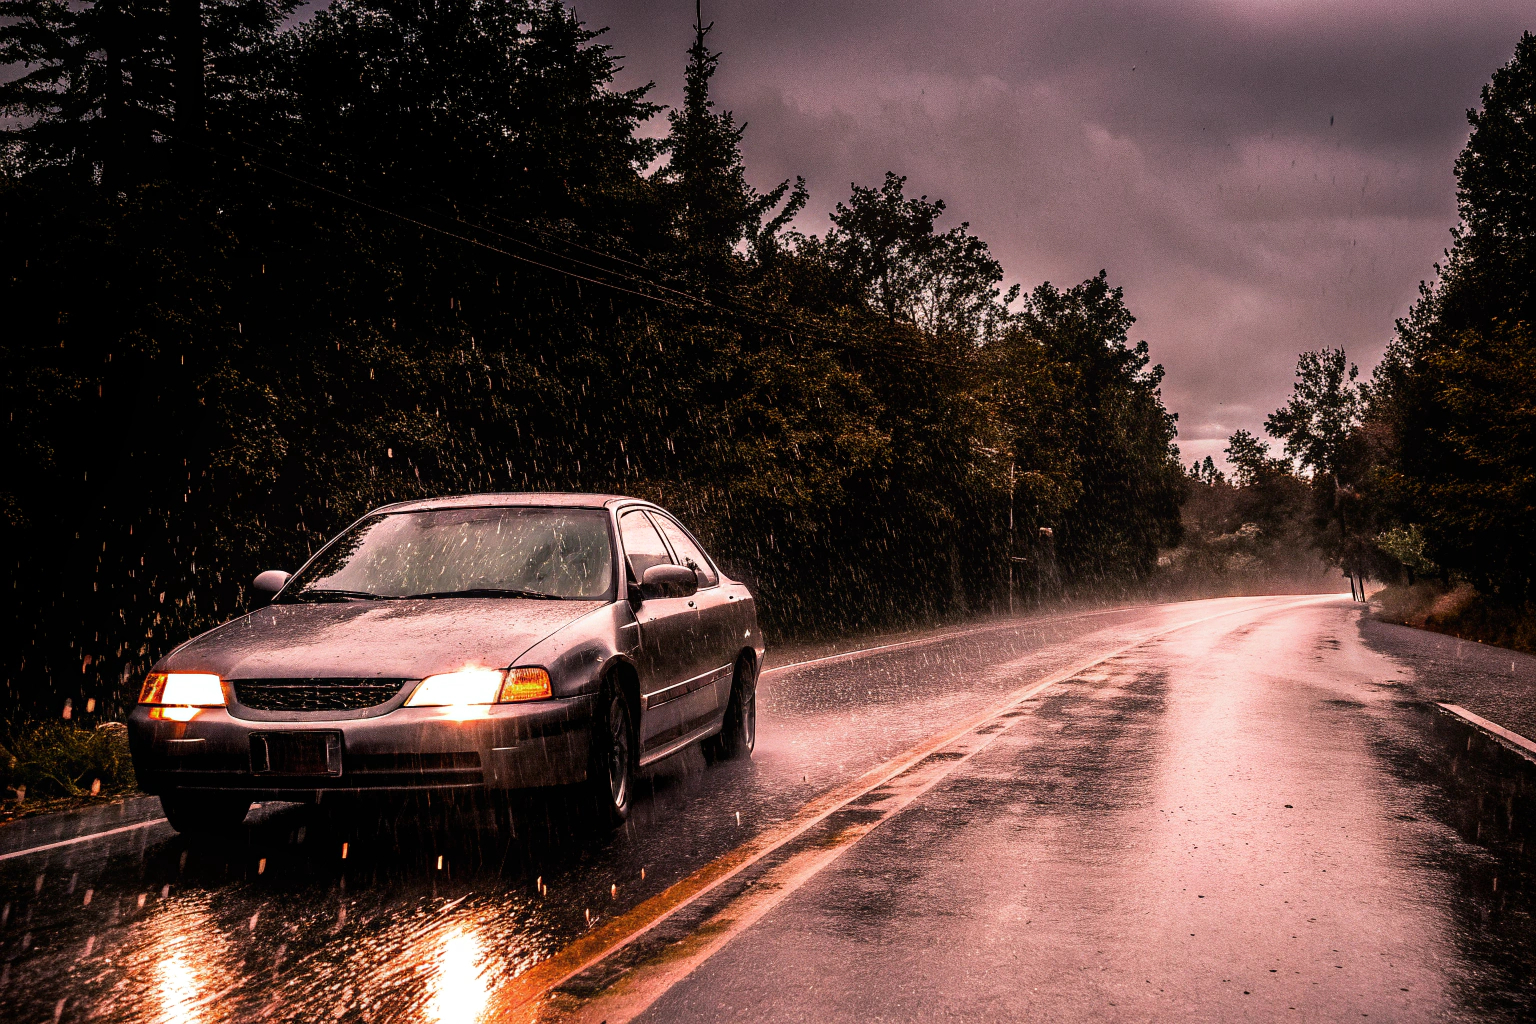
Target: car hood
{"points": [[388, 639]]}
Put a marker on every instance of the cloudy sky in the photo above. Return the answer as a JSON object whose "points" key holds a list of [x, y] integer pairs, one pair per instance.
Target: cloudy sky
{"points": [[1262, 177]]}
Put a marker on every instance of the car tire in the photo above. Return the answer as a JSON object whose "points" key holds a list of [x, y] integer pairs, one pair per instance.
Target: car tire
{"points": [[204, 814], [738, 731], [611, 772]]}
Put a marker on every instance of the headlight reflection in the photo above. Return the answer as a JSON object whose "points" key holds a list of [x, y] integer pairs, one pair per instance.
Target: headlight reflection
{"points": [[460, 989], [187, 971]]}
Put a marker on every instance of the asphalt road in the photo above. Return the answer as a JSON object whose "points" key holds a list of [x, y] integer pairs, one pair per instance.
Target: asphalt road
{"points": [[1220, 810]]}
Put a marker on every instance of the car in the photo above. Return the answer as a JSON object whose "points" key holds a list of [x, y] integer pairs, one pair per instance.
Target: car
{"points": [[482, 643]]}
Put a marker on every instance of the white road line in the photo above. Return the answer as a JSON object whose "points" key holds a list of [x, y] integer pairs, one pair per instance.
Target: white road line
{"points": [[921, 641], [1522, 745], [80, 839]]}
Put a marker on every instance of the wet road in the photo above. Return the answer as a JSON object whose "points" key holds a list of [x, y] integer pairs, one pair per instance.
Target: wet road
{"points": [[1221, 810]]}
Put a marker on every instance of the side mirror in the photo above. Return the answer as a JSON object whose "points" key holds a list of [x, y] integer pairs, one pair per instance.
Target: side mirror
{"points": [[669, 581], [272, 580]]}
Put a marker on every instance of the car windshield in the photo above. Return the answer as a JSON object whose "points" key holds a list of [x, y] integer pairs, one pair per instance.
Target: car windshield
{"points": [[547, 553]]}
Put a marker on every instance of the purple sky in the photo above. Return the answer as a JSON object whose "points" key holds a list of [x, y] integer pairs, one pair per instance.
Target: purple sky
{"points": [[1262, 177]]}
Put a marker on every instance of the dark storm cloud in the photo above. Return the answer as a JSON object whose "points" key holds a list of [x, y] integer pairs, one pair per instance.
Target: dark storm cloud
{"points": [[1262, 177]]}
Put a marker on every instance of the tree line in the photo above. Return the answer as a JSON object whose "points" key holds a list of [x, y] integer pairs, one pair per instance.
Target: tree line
{"points": [[1425, 472], [261, 276]]}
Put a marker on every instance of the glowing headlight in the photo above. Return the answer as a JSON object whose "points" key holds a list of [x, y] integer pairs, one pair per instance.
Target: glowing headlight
{"points": [[471, 686], [183, 689], [525, 684]]}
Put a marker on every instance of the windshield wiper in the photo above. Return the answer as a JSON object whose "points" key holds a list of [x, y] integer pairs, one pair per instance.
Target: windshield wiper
{"points": [[489, 592], [335, 595]]}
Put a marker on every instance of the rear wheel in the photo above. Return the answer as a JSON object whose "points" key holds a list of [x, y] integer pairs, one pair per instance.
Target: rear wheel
{"points": [[611, 773], [738, 732], [204, 814]]}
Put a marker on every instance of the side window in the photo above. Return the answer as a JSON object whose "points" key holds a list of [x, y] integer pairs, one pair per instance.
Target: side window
{"points": [[688, 552], [642, 544]]}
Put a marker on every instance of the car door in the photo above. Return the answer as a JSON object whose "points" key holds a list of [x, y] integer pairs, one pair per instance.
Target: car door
{"points": [[668, 636], [716, 650]]}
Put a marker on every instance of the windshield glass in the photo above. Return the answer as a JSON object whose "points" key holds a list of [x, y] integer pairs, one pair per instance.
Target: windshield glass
{"points": [[465, 552]]}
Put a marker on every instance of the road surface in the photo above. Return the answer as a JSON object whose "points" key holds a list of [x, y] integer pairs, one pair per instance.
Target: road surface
{"points": [[1218, 810]]}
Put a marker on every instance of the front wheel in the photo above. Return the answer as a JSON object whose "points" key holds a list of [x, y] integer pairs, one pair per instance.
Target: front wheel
{"points": [[738, 732], [204, 814], [610, 775]]}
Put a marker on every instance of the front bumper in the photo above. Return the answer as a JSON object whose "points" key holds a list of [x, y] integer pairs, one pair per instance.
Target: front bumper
{"points": [[499, 747]]}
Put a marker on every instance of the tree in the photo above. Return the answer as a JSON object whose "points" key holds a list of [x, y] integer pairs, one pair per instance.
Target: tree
{"points": [[942, 283], [716, 208], [1470, 476], [104, 82], [1449, 401], [1250, 459], [1326, 406], [1490, 273], [1206, 473], [1129, 479]]}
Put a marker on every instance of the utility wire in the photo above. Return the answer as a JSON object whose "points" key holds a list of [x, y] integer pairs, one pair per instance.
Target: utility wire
{"points": [[689, 300]]}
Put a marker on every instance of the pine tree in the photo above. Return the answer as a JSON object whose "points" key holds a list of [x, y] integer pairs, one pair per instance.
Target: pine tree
{"points": [[716, 209]]}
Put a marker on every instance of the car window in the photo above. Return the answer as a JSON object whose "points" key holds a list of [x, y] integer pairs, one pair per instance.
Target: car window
{"points": [[688, 553], [642, 544], [538, 552]]}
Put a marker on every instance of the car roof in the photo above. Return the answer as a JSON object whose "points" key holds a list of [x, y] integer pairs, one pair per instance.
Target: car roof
{"points": [[559, 499]]}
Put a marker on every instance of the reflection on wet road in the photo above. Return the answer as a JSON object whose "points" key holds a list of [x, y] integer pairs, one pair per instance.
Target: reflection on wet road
{"points": [[1253, 813]]}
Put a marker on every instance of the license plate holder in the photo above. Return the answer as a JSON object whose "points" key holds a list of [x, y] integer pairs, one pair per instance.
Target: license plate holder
{"points": [[296, 753]]}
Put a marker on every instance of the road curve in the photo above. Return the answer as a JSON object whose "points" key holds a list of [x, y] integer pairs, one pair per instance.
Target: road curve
{"points": [[1076, 816]]}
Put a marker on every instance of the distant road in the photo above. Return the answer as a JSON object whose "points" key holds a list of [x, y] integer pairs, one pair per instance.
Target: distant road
{"points": [[1210, 810]]}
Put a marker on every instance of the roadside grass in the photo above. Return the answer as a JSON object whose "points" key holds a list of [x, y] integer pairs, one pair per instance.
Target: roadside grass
{"points": [[49, 766], [1461, 612]]}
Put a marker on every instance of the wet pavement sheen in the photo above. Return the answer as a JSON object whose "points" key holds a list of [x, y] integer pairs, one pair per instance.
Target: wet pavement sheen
{"points": [[1242, 821], [1125, 850]]}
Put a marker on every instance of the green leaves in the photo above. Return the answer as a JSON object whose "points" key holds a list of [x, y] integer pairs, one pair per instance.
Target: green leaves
{"points": [[1326, 406]]}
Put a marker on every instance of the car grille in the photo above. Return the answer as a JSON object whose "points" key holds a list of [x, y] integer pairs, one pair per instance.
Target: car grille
{"points": [[316, 694]]}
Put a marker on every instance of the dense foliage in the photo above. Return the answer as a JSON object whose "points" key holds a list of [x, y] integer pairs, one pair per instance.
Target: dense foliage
{"points": [[404, 249]]}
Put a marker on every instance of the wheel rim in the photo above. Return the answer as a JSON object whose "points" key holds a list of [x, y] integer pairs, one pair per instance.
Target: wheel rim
{"points": [[618, 752]]}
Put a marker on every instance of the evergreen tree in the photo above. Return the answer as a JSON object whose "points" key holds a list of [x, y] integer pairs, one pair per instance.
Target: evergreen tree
{"points": [[106, 82], [1448, 402], [715, 207]]}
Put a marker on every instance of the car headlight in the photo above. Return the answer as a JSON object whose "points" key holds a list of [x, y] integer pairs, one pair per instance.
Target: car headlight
{"points": [[183, 689], [471, 686], [480, 686]]}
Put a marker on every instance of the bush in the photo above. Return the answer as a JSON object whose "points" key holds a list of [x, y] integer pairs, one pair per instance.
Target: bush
{"points": [[57, 759]]}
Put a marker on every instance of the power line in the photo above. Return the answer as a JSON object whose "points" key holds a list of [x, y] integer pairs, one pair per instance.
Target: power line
{"points": [[690, 301]]}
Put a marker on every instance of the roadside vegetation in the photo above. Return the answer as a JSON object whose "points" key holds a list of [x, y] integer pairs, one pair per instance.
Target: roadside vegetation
{"points": [[260, 276], [1424, 475], [57, 763]]}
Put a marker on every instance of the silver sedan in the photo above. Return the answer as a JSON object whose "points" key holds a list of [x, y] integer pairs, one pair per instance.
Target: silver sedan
{"points": [[481, 642]]}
